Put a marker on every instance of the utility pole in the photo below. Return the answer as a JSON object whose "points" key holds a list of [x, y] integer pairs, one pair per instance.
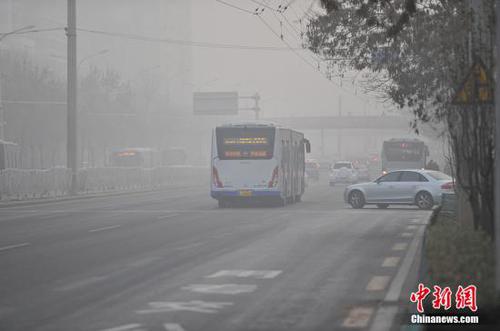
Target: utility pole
{"points": [[2, 120], [72, 120], [497, 149]]}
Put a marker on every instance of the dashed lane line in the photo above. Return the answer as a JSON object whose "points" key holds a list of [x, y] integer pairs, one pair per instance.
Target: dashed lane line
{"points": [[127, 327], [164, 217], [6, 248], [105, 228], [406, 234], [230, 289], [399, 246], [386, 313], [377, 283], [390, 262], [173, 327], [258, 274], [358, 318]]}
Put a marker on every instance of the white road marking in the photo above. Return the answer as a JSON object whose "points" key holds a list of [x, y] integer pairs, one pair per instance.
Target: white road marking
{"points": [[411, 227], [358, 317], [399, 246], [173, 327], [81, 283], [386, 314], [192, 306], [164, 217], [377, 283], [6, 248], [406, 234], [390, 262], [259, 274], [143, 262], [105, 228], [230, 289], [189, 246], [128, 327]]}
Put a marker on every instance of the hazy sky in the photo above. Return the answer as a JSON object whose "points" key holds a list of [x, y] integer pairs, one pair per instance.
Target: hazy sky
{"points": [[288, 85]]}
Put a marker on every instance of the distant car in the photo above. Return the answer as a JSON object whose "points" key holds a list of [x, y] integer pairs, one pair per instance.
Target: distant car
{"points": [[312, 170], [422, 188], [343, 172], [363, 172]]}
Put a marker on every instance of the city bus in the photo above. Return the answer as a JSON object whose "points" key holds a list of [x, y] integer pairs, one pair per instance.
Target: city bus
{"points": [[403, 153], [257, 162], [134, 157]]}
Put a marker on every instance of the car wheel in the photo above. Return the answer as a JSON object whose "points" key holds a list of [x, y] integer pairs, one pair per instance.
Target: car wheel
{"points": [[382, 205], [424, 200], [356, 199]]}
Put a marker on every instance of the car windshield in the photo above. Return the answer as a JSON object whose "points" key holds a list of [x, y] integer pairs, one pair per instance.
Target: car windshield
{"points": [[437, 175], [340, 165]]}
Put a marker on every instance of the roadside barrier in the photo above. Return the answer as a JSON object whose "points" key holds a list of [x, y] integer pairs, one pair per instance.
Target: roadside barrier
{"points": [[21, 184]]}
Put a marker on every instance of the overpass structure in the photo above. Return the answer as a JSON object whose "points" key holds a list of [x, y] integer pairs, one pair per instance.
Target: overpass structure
{"points": [[347, 136], [383, 122]]}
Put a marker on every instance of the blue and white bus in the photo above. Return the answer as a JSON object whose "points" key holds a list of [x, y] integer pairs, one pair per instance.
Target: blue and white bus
{"points": [[255, 161], [403, 153]]}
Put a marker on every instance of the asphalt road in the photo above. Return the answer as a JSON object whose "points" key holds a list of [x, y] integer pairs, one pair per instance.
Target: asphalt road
{"points": [[172, 261]]}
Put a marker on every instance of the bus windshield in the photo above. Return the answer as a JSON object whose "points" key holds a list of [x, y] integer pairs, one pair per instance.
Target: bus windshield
{"points": [[238, 143], [403, 151]]}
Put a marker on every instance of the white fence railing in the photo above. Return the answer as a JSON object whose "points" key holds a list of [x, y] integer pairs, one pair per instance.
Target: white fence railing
{"points": [[34, 183]]}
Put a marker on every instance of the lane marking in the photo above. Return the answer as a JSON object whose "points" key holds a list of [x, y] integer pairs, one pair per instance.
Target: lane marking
{"points": [[386, 314], [406, 234], [105, 228], [189, 246], [164, 217], [6, 248], [81, 283], [173, 327], [378, 283], [230, 289], [259, 274], [135, 327], [411, 227], [46, 217], [358, 317], [143, 262], [399, 246], [391, 262], [196, 306]]}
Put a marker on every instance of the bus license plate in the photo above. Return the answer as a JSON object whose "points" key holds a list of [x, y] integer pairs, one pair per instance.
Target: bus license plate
{"points": [[245, 193]]}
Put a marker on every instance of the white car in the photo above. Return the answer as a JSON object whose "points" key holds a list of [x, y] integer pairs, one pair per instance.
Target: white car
{"points": [[423, 188], [343, 172]]}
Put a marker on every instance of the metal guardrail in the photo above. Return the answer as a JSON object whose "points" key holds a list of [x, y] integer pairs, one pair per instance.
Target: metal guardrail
{"points": [[22, 184]]}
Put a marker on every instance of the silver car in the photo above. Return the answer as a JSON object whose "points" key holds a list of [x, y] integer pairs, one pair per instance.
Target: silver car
{"points": [[422, 188]]}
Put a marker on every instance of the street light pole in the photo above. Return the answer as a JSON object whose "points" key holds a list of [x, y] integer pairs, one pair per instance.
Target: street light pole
{"points": [[497, 149], [72, 120]]}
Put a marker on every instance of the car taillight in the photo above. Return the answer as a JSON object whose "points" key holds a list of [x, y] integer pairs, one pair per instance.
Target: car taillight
{"points": [[215, 175], [448, 186], [274, 178]]}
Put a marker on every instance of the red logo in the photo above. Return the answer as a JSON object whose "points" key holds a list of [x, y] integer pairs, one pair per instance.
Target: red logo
{"points": [[465, 297]]}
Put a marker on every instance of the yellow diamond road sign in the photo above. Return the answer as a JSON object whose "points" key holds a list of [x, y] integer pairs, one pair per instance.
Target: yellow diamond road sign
{"points": [[476, 88]]}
